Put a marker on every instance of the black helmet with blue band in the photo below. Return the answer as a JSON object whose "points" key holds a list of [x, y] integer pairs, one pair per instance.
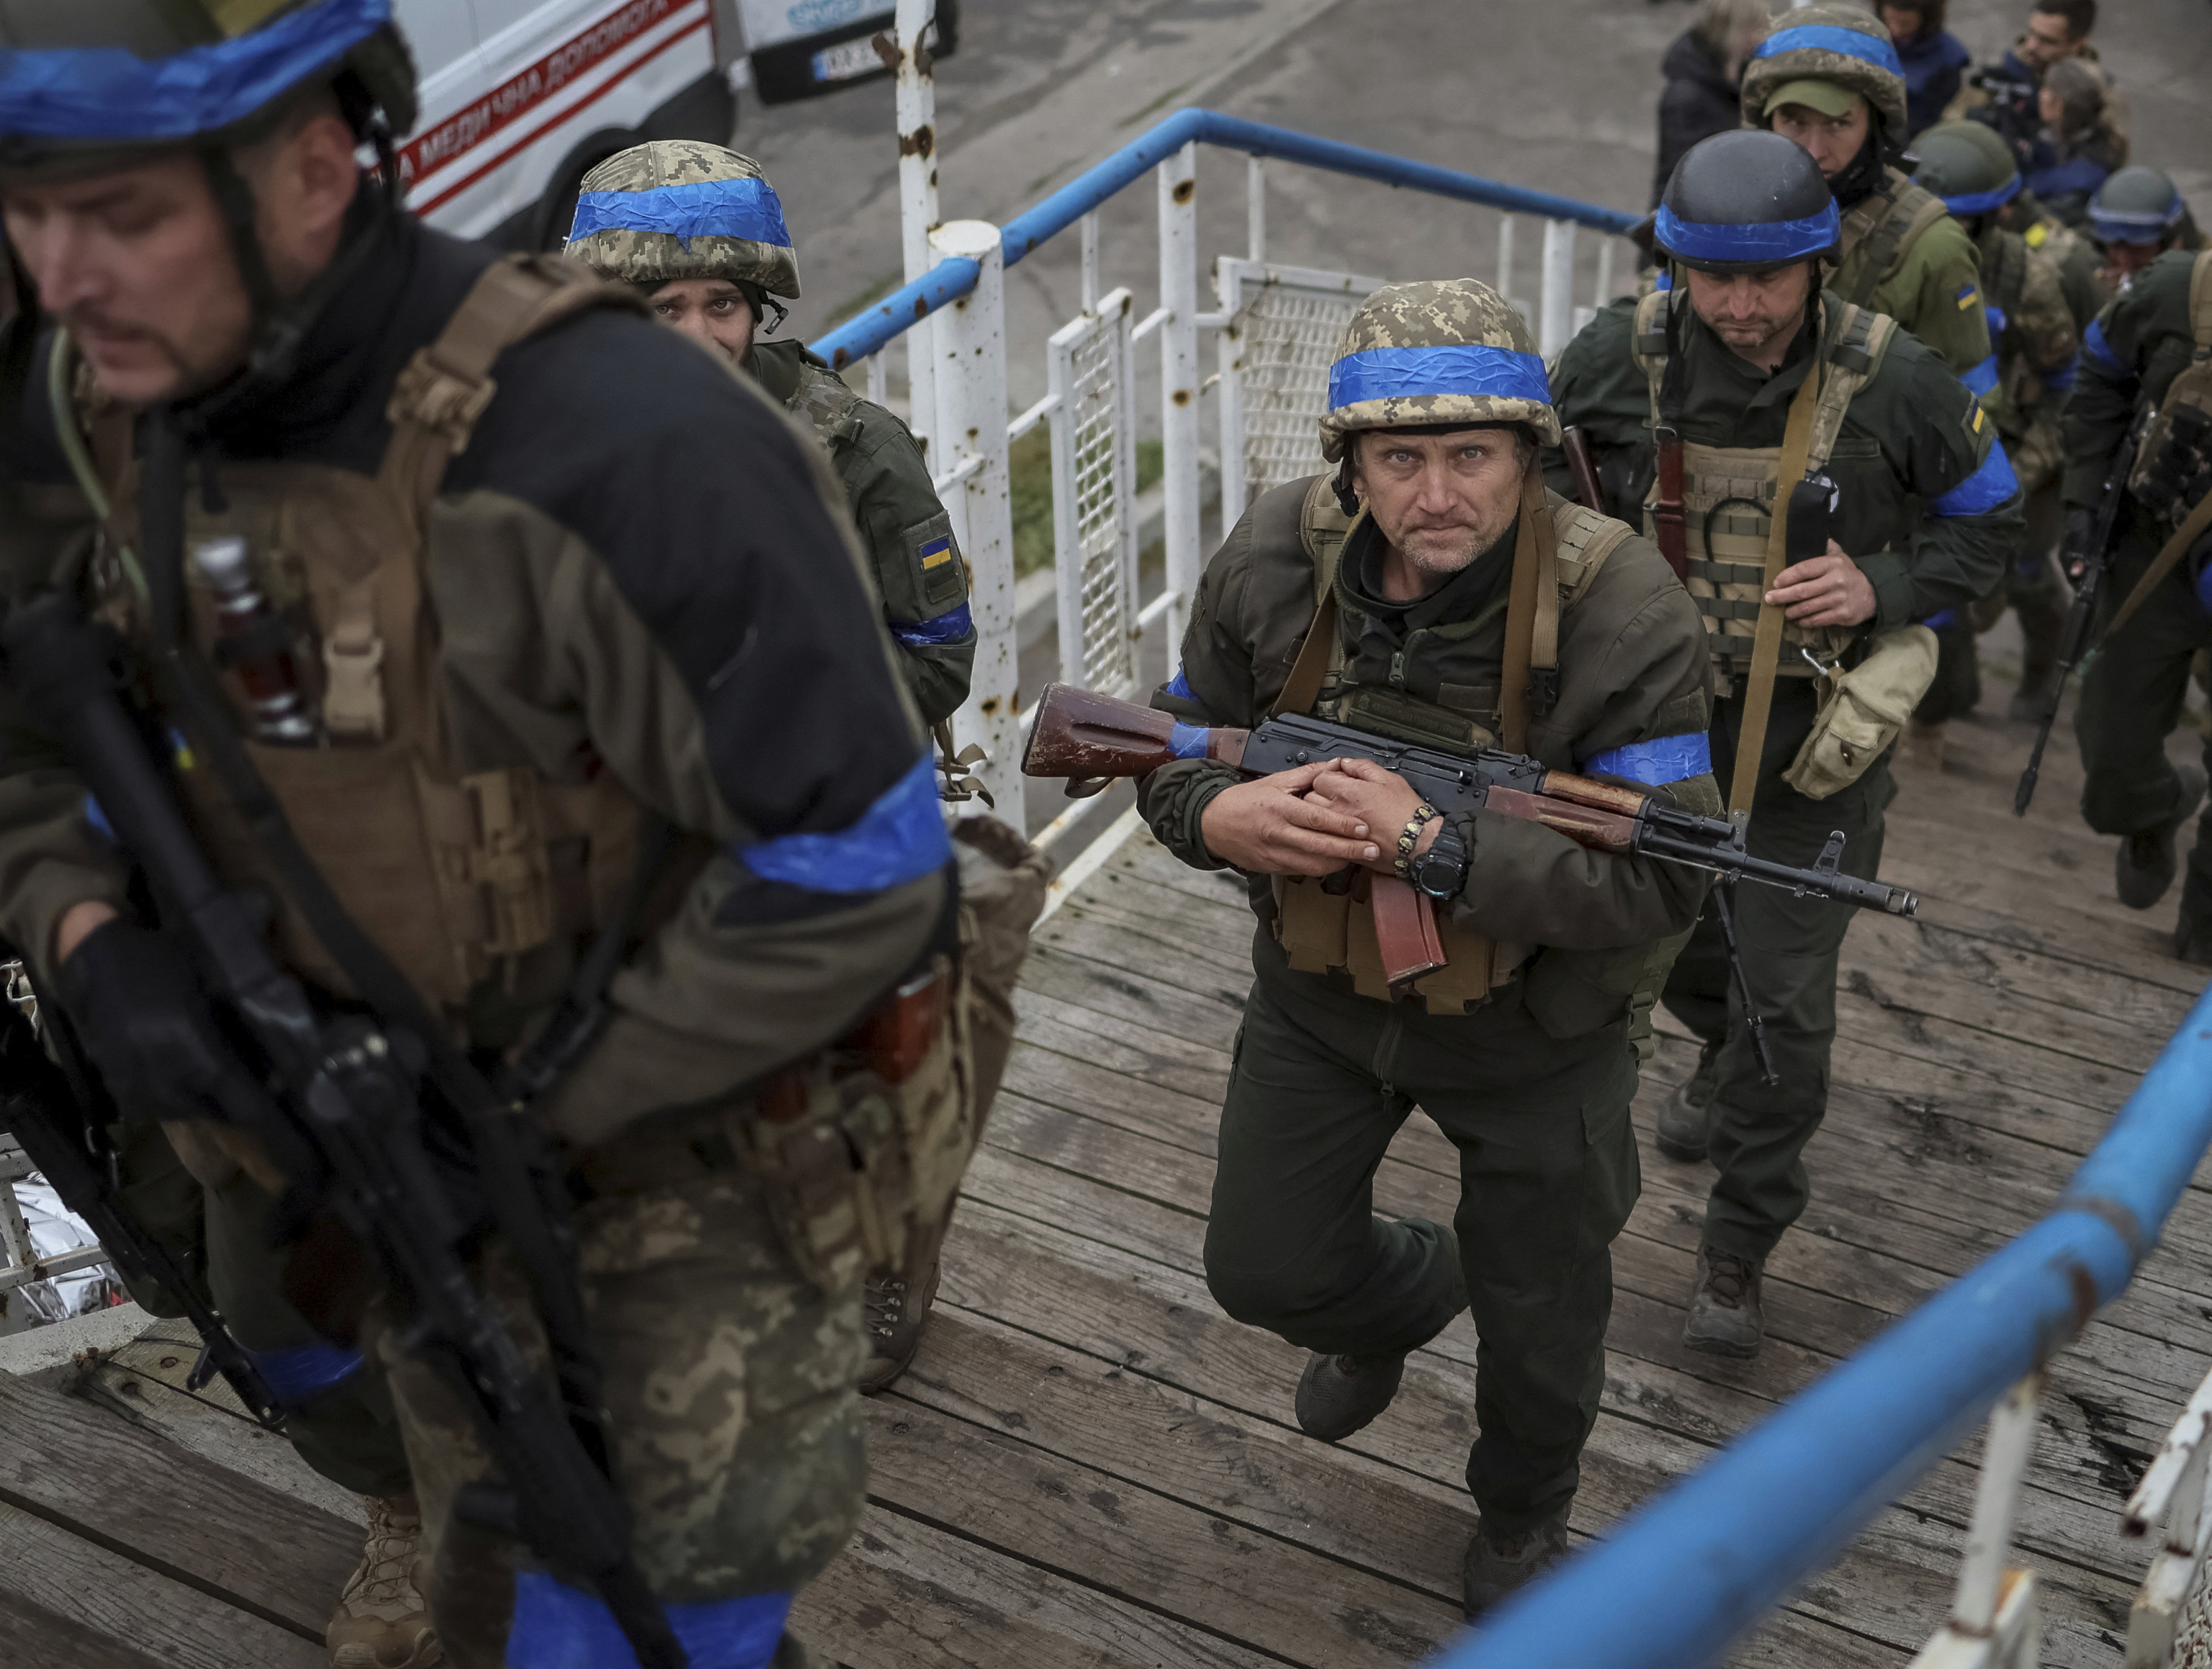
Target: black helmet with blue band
{"points": [[1745, 202], [2137, 204]]}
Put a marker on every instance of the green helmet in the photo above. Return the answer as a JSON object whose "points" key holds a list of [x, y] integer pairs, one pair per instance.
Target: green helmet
{"points": [[2137, 204], [1818, 50], [1446, 352], [85, 88], [1967, 165], [677, 209]]}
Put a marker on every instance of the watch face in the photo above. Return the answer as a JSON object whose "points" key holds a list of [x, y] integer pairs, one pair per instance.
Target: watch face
{"points": [[1440, 869]]}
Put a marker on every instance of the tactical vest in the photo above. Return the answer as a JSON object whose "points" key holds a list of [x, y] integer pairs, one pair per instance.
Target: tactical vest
{"points": [[1878, 234], [2190, 391], [1322, 930], [455, 875], [1728, 491]]}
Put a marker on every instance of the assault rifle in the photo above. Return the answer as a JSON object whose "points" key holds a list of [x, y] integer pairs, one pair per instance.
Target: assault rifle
{"points": [[341, 1115], [49, 1108], [2095, 566], [1091, 739]]}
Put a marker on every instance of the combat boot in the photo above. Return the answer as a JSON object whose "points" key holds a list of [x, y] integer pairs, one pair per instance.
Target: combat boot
{"points": [[898, 1312], [1725, 1318], [381, 1622], [1496, 1567], [1339, 1394], [1686, 1117], [2143, 867]]}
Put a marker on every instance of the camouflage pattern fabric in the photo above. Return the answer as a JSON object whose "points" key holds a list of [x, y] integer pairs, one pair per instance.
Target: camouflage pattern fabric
{"points": [[633, 255], [1882, 88], [730, 1393], [1447, 313]]}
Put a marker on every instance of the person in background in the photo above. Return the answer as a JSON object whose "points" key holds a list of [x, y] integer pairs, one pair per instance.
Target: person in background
{"points": [[1934, 60], [2081, 142], [2004, 95], [1702, 68]]}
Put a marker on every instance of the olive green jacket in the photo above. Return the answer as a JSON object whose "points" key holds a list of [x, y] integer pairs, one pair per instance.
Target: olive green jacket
{"points": [[2130, 352], [1630, 669], [1931, 286], [1913, 434], [903, 527]]}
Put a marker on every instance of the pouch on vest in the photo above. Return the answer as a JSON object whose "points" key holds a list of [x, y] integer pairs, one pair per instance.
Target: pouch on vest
{"points": [[1861, 710]]}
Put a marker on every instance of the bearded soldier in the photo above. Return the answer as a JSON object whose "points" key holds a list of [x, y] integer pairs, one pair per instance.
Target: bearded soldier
{"points": [[1431, 590], [1781, 404], [556, 643], [2038, 340], [701, 233], [1828, 79], [2152, 348]]}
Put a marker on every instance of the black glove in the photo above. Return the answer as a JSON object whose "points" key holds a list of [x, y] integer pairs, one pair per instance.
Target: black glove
{"points": [[2080, 533], [149, 1028]]}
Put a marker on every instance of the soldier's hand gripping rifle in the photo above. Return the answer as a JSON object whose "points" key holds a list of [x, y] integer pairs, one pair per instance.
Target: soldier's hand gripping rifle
{"points": [[2094, 564], [54, 1116], [337, 1104], [1090, 739]]}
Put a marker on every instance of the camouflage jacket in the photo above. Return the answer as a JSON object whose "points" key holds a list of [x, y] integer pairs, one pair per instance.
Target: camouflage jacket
{"points": [[1931, 284], [2073, 255], [919, 570], [1630, 670], [2037, 345], [1913, 433]]}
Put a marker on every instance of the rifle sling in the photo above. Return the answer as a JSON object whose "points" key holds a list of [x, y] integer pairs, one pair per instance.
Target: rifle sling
{"points": [[2169, 554], [1766, 644]]}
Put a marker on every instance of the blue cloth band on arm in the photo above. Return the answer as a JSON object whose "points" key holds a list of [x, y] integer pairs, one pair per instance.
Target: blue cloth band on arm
{"points": [[1774, 242], [1179, 685], [747, 209], [1943, 620], [900, 837], [558, 1627], [2099, 349], [1829, 38], [1983, 378], [1410, 373], [1983, 490], [2060, 378], [300, 1376], [953, 626], [1662, 760], [110, 92]]}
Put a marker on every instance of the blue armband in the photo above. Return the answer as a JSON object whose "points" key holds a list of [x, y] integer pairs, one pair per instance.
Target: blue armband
{"points": [[1982, 380], [900, 837], [2099, 351], [558, 1627], [298, 1376], [1180, 686], [1662, 760], [1982, 491], [953, 626]]}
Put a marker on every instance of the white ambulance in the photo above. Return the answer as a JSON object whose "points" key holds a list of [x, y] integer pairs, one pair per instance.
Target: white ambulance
{"points": [[521, 97]]}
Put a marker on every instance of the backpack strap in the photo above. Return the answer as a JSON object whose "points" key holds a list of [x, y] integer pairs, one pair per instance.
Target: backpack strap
{"points": [[1857, 344], [1648, 342], [1586, 537], [1886, 226], [1323, 529], [1530, 679]]}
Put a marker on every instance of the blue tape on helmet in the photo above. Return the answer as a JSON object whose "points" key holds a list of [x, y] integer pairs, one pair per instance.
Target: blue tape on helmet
{"points": [[298, 1376], [1412, 373], [1767, 243], [953, 626], [1873, 49], [2098, 347], [108, 92], [1662, 760], [747, 208], [1982, 378], [1981, 492], [900, 837], [2135, 225], [1980, 203], [558, 1627]]}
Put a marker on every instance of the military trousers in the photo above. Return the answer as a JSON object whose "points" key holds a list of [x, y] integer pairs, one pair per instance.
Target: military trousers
{"points": [[1790, 947], [1323, 1079], [2132, 695], [218, 1226], [729, 1384]]}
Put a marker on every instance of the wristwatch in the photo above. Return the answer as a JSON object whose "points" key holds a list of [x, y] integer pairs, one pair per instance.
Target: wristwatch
{"points": [[1441, 870]]}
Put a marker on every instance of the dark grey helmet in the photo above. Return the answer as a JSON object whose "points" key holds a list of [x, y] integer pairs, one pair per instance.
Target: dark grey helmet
{"points": [[1743, 201], [2137, 204], [1967, 165]]}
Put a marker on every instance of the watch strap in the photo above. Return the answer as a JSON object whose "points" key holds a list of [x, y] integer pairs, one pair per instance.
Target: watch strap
{"points": [[1410, 837]]}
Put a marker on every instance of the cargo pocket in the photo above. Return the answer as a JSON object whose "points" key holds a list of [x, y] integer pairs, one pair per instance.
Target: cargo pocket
{"points": [[1865, 709]]}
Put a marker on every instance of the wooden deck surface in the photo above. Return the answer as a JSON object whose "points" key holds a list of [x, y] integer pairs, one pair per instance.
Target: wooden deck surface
{"points": [[1089, 1467]]}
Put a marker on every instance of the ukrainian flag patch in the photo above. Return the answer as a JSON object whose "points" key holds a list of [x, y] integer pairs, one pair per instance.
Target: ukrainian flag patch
{"points": [[937, 553], [1969, 296]]}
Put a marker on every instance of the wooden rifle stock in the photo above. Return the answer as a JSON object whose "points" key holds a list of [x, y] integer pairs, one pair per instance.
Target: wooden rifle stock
{"points": [[1669, 528], [1091, 739], [1574, 440]]}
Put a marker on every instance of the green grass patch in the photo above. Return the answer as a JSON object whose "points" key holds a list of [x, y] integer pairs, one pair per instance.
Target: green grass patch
{"points": [[1028, 467]]}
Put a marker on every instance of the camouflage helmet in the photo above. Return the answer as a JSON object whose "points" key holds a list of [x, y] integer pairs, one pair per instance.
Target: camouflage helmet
{"points": [[1447, 351], [1840, 45], [1967, 165], [88, 89], [2137, 204], [679, 208]]}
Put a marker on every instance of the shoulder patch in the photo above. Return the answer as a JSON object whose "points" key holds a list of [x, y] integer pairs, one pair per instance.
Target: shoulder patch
{"points": [[2037, 235], [1969, 294]]}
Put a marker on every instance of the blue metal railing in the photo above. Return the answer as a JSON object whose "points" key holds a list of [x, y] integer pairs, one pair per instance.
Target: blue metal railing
{"points": [[875, 324], [1683, 1576]]}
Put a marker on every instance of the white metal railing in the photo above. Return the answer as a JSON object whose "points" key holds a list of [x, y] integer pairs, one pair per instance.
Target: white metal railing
{"points": [[22, 1263], [2170, 1621]]}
